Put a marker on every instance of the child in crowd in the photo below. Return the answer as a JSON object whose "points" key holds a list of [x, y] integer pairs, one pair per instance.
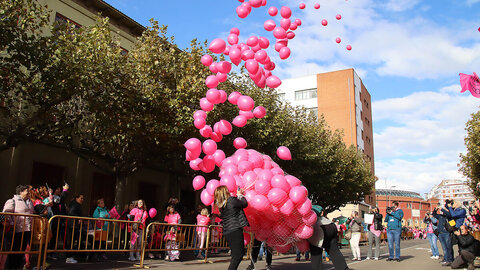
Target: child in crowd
{"points": [[172, 217], [139, 213], [202, 220]]}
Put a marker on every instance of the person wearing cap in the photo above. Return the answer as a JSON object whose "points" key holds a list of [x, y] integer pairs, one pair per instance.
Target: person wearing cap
{"points": [[325, 236]]}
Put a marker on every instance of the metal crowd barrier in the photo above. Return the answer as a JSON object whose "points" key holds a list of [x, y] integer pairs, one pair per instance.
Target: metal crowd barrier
{"points": [[185, 239], [16, 241], [72, 234]]}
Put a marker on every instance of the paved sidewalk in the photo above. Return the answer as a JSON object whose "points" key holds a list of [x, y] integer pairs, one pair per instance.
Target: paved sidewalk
{"points": [[415, 254]]}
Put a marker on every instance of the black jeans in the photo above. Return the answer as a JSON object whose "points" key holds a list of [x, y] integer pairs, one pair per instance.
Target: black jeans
{"points": [[16, 260], [235, 242], [465, 259], [255, 251]]}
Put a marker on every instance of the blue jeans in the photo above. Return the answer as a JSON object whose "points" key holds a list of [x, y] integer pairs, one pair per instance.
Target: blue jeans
{"points": [[445, 241], [263, 251], [307, 254], [393, 236], [432, 238]]}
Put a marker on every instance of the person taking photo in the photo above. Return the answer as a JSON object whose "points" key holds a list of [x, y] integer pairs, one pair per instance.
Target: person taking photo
{"points": [[394, 231]]}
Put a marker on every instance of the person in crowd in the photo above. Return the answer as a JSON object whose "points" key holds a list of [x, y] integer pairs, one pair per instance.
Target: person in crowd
{"points": [[466, 247], [203, 219], [443, 235], [125, 230], [325, 236], [171, 244], [40, 232], [299, 255], [75, 209], [254, 255], [59, 207], [172, 217], [374, 232], [101, 212], [431, 223], [263, 251], [355, 224], [457, 212], [20, 204], [233, 221], [140, 214], [394, 218]]}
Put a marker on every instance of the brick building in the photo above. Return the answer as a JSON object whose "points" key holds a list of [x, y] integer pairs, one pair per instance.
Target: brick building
{"points": [[413, 205]]}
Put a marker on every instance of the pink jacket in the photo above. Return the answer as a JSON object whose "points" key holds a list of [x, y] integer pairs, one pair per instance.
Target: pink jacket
{"points": [[139, 214], [202, 220], [172, 218], [19, 206]]}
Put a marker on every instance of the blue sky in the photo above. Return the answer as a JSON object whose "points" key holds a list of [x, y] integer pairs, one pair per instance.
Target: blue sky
{"points": [[407, 52]]}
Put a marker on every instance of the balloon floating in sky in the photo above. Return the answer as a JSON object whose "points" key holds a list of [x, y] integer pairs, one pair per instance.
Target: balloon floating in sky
{"points": [[349, 47], [338, 40], [324, 22], [338, 17], [302, 6], [316, 6]]}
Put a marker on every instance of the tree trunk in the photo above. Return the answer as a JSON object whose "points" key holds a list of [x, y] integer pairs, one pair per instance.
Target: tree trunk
{"points": [[120, 189]]}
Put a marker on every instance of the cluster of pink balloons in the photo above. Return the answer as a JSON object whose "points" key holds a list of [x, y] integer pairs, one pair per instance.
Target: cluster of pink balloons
{"points": [[279, 210]]}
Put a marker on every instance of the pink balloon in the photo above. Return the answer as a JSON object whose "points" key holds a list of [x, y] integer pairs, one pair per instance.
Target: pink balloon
{"points": [[225, 127], [287, 208], [256, 160], [304, 232], [227, 50], [293, 181], [242, 12], [265, 175], [193, 144], [263, 42], [223, 96], [198, 182], [269, 25], [272, 11], [317, 6], [211, 81], [279, 181], [255, 3], [229, 182], [310, 219], [277, 196], [273, 81], [208, 164], [252, 41], [290, 35], [293, 220], [195, 164], [191, 155], [293, 26], [235, 56], [278, 47], [260, 56], [152, 212], [206, 131], [213, 67], [338, 17], [282, 230], [349, 47], [285, 12], [248, 114], [298, 22], [233, 97], [221, 77], [232, 39], [248, 54], [212, 185], [206, 198], [302, 5], [284, 53], [245, 103], [279, 32], [206, 60], [285, 23], [206, 105], [298, 194], [262, 187], [284, 153], [283, 249], [239, 121], [324, 22], [260, 203], [246, 236], [338, 40], [251, 66], [217, 45], [219, 157], [224, 67], [305, 208], [239, 143], [199, 114], [303, 246], [244, 166], [216, 136], [235, 31], [230, 169], [213, 95]]}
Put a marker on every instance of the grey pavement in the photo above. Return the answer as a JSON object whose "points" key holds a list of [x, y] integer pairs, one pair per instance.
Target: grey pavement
{"points": [[415, 254]]}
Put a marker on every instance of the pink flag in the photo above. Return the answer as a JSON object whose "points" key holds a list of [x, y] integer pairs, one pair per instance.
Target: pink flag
{"points": [[470, 83], [114, 214]]}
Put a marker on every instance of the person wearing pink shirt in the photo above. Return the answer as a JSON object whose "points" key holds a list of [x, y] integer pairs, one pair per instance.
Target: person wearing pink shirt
{"points": [[172, 217], [139, 213], [202, 220], [374, 232]]}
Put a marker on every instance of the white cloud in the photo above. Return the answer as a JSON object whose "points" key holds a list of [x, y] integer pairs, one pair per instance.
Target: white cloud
{"points": [[401, 5], [420, 144], [472, 2], [454, 88]]}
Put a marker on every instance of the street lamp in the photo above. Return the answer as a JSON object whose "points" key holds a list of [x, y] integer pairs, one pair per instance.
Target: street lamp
{"points": [[389, 192]]}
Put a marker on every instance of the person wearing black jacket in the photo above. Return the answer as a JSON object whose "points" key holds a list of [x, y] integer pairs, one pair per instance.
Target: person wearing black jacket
{"points": [[233, 221], [75, 209], [443, 235], [466, 247]]}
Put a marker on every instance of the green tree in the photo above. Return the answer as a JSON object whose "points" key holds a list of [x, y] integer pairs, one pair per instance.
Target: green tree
{"points": [[470, 162]]}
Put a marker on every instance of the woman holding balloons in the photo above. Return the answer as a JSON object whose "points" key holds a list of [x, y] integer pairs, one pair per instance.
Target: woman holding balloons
{"points": [[233, 221]]}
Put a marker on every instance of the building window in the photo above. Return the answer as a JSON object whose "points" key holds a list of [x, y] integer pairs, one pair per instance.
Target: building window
{"points": [[62, 19], [312, 110], [306, 94], [281, 96], [365, 102]]}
